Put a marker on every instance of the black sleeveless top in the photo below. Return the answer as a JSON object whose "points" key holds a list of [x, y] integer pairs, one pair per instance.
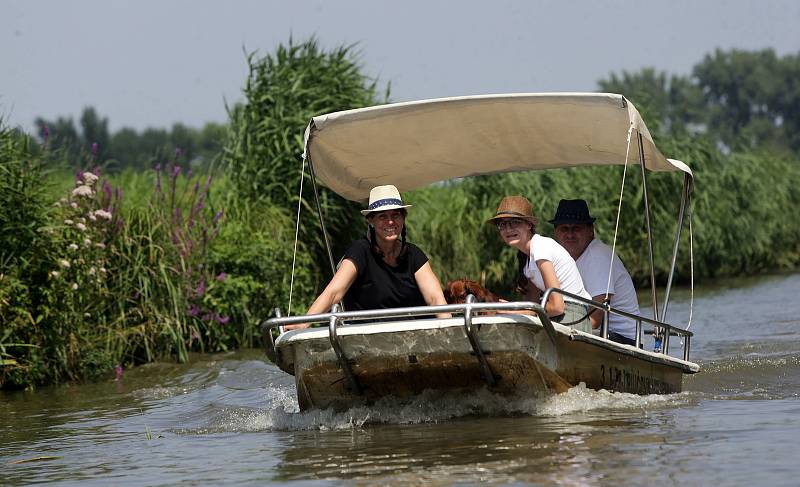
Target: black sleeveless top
{"points": [[380, 285]]}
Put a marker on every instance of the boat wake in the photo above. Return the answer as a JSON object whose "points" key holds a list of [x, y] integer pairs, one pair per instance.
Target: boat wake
{"points": [[282, 413]]}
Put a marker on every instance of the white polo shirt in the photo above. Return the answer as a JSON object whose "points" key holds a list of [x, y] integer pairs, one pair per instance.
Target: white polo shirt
{"points": [[593, 265]]}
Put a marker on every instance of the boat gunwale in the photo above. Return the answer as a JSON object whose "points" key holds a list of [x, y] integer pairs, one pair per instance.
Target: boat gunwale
{"points": [[297, 337]]}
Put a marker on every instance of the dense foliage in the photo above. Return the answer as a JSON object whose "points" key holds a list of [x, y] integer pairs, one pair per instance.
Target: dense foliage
{"points": [[284, 90], [184, 260], [88, 282]]}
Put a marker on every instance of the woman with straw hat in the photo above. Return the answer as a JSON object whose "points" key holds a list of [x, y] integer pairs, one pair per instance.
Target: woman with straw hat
{"points": [[543, 263], [381, 270]]}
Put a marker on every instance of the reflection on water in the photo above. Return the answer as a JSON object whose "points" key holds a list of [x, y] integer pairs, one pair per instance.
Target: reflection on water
{"points": [[234, 418]]}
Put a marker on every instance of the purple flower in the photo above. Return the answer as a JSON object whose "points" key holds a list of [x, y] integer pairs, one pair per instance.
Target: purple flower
{"points": [[201, 288], [221, 319], [222, 276], [136, 294], [194, 310], [107, 190], [217, 217], [175, 171], [158, 167], [177, 152], [94, 149], [208, 183]]}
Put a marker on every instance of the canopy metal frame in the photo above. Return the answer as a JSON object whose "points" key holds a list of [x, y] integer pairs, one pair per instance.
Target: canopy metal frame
{"points": [[684, 204]]}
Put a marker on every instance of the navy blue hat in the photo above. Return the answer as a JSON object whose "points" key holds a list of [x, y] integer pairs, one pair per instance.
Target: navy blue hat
{"points": [[572, 212]]}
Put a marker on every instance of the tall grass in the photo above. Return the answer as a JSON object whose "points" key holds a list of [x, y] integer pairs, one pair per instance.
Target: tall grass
{"points": [[283, 91], [100, 276], [742, 215]]}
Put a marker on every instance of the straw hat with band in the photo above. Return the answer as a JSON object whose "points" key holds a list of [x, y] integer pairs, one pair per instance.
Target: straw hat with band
{"points": [[382, 198], [514, 207]]}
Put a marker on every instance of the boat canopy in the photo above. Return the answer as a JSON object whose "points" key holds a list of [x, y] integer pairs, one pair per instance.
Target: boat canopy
{"points": [[417, 143]]}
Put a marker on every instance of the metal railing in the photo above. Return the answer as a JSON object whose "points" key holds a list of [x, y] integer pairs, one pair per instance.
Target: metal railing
{"points": [[336, 317], [660, 328]]}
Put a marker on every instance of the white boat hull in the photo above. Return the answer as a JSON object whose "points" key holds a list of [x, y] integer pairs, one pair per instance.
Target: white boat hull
{"points": [[402, 359]]}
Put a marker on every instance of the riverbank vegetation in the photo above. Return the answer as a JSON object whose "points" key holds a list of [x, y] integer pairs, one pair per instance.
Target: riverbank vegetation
{"points": [[120, 249]]}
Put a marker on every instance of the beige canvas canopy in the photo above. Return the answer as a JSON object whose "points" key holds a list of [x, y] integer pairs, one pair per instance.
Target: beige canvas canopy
{"points": [[417, 143]]}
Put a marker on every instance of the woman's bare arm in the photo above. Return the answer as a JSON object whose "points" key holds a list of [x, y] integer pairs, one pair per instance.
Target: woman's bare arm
{"points": [[333, 293], [430, 288], [555, 303]]}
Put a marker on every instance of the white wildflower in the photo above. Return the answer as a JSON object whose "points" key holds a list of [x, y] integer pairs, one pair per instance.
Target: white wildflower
{"points": [[92, 217], [74, 286], [92, 271], [81, 227], [87, 315], [54, 273], [103, 214], [87, 242], [57, 204], [103, 270], [74, 205], [68, 222], [63, 201], [89, 178], [100, 245], [82, 220], [64, 263], [82, 191], [73, 247]]}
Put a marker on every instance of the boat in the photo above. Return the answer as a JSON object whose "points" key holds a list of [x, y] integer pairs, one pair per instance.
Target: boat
{"points": [[364, 356]]}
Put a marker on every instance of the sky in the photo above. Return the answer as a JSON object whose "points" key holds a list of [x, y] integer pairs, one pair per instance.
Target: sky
{"points": [[153, 63]]}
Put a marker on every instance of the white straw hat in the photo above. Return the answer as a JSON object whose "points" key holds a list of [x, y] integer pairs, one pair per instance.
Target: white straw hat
{"points": [[382, 198]]}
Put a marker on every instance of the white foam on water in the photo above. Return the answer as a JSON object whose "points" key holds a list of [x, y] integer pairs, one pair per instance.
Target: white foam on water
{"points": [[283, 414]]}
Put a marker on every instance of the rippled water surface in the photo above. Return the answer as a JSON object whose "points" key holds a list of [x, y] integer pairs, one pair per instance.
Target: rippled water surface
{"points": [[233, 419]]}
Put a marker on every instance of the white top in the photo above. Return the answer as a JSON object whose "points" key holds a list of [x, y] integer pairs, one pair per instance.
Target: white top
{"points": [[412, 144], [593, 265], [545, 248]]}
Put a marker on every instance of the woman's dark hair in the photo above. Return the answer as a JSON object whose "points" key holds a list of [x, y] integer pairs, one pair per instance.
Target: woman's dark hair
{"points": [[521, 282], [373, 240]]}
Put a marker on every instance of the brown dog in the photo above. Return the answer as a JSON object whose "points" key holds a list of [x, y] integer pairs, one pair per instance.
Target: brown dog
{"points": [[456, 292]]}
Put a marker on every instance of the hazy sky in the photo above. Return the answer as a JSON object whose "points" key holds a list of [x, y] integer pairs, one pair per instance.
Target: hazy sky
{"points": [[152, 63]]}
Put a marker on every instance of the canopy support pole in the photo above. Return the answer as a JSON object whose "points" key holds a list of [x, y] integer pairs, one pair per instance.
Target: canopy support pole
{"points": [[649, 228], [687, 182], [319, 212]]}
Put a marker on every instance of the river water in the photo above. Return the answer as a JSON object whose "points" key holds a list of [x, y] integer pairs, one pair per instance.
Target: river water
{"points": [[233, 419]]}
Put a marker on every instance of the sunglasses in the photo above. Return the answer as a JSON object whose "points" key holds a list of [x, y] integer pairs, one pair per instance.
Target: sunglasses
{"points": [[509, 223]]}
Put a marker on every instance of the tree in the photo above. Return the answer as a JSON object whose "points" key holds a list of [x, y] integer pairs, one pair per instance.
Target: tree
{"points": [[94, 133], [751, 98], [671, 102]]}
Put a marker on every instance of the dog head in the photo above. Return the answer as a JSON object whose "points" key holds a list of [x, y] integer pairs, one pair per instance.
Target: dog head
{"points": [[456, 292]]}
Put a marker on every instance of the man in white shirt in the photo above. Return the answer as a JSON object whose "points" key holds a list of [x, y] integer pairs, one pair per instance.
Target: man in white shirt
{"points": [[574, 230]]}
